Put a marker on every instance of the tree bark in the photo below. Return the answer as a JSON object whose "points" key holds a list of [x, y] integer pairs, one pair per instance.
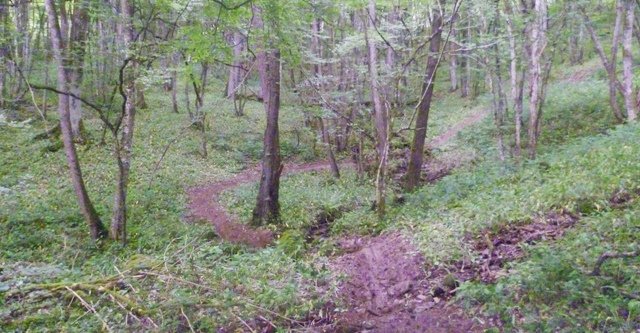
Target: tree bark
{"points": [[267, 208], [317, 71], [380, 114], [97, 229], [499, 97], [326, 138], [465, 64], [517, 87], [538, 44], [77, 45], [237, 41], [453, 64], [4, 51], [124, 146], [609, 64], [627, 61], [174, 81], [422, 117]]}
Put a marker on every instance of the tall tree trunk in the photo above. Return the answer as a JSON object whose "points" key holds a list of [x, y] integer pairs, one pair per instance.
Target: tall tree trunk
{"points": [[609, 64], [380, 114], [326, 138], [174, 81], [237, 41], [627, 61], [538, 44], [422, 117], [77, 46], [141, 101], [453, 64], [267, 208], [124, 146], [499, 98], [317, 71], [391, 94], [465, 63], [23, 40], [92, 219], [517, 87], [576, 40], [4, 51]]}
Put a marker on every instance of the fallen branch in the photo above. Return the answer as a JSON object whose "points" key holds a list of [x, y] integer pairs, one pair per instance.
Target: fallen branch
{"points": [[89, 308], [612, 255]]}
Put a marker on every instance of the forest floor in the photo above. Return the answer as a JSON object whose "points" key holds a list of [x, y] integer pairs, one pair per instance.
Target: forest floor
{"points": [[386, 288], [503, 245]]}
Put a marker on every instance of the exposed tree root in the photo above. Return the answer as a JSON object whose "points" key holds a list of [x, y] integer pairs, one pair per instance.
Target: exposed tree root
{"points": [[612, 255]]}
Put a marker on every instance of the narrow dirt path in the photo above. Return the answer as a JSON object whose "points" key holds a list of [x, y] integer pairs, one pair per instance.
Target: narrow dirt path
{"points": [[204, 205], [445, 137]]}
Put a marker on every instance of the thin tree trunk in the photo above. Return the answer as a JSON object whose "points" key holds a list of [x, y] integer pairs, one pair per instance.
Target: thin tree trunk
{"points": [[465, 80], [317, 71], [498, 91], [422, 117], [538, 44], [92, 219], [380, 114], [326, 138], [174, 82], [187, 99], [22, 40], [576, 47], [267, 208], [77, 46], [609, 65], [627, 61], [123, 148], [141, 101], [4, 51], [517, 84], [453, 64], [237, 41]]}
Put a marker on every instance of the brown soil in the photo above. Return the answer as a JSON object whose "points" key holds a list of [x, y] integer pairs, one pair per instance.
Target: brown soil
{"points": [[204, 205], [386, 290], [493, 249]]}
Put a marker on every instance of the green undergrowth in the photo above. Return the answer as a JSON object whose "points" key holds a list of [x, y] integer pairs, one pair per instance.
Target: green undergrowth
{"points": [[572, 110], [185, 267], [552, 289], [580, 177], [307, 196]]}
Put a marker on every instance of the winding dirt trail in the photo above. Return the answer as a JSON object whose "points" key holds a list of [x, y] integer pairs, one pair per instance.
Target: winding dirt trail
{"points": [[387, 288], [204, 205]]}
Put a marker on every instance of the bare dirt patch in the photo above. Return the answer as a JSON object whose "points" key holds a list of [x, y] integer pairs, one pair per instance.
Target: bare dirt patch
{"points": [[386, 290], [494, 249]]}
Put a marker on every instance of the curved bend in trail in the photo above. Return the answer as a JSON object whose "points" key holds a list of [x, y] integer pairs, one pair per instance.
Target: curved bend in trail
{"points": [[204, 205], [204, 199]]}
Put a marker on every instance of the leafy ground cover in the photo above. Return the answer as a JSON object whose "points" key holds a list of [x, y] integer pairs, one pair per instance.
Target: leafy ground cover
{"points": [[177, 275]]}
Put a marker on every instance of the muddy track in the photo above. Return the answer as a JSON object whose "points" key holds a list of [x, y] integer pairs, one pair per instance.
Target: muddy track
{"points": [[387, 290]]}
